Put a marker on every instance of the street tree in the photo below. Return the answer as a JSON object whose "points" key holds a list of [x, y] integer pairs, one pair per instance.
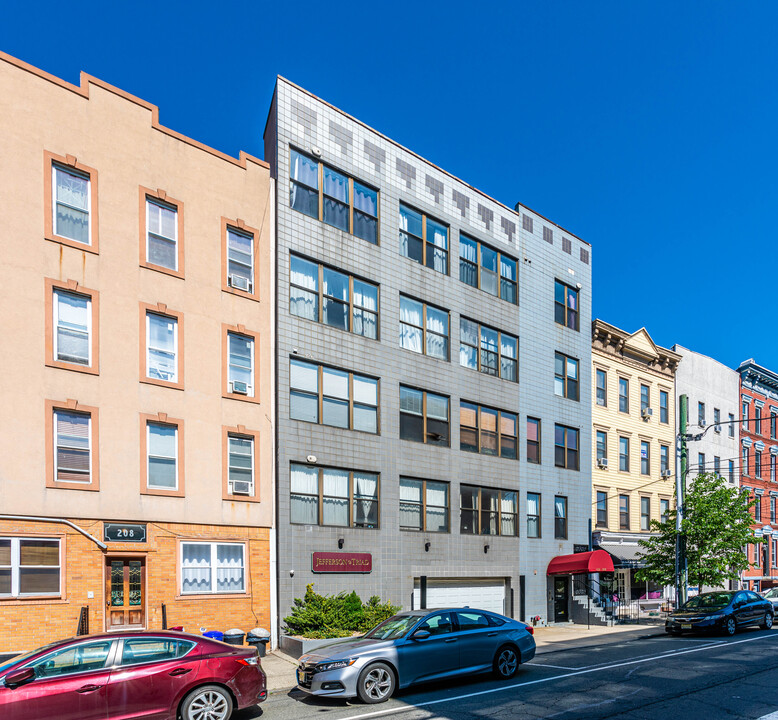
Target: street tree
{"points": [[717, 527]]}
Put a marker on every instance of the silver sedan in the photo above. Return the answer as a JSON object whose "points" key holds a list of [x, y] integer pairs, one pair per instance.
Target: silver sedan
{"points": [[414, 647]]}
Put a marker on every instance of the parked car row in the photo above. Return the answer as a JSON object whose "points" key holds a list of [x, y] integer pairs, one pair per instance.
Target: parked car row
{"points": [[722, 611]]}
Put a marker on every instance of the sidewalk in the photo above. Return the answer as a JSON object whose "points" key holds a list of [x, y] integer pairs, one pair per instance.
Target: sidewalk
{"points": [[280, 667]]}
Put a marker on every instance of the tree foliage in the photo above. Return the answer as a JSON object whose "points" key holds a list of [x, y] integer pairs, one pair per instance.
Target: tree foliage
{"points": [[717, 526], [341, 615]]}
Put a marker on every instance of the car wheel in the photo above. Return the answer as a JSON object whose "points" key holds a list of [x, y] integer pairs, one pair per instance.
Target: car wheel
{"points": [[506, 662], [376, 683], [730, 627], [767, 623], [209, 702]]}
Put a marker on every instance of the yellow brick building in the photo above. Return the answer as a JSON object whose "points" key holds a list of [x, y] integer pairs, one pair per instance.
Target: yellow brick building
{"points": [[633, 418]]}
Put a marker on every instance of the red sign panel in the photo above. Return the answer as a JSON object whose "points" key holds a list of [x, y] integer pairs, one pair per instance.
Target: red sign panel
{"points": [[341, 562]]}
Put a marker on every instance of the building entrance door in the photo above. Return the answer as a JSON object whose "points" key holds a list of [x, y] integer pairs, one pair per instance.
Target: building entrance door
{"points": [[125, 594], [561, 593]]}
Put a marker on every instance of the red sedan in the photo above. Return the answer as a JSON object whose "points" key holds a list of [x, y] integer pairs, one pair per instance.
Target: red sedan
{"points": [[156, 675]]}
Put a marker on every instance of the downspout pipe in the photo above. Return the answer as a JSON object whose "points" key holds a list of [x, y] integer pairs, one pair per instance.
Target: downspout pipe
{"points": [[34, 518]]}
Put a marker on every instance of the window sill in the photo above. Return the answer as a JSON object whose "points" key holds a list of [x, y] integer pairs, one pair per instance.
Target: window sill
{"points": [[62, 365], [243, 398], [162, 493], [213, 596], [72, 243], [240, 498], [163, 383], [162, 269], [34, 599], [240, 293], [88, 487]]}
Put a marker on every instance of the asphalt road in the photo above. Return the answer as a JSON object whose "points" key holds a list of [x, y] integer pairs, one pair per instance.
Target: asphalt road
{"points": [[639, 679]]}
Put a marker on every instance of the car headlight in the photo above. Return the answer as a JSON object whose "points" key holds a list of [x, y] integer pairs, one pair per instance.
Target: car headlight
{"points": [[716, 616], [335, 664]]}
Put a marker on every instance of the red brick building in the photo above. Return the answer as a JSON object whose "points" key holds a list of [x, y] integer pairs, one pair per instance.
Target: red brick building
{"points": [[758, 458]]}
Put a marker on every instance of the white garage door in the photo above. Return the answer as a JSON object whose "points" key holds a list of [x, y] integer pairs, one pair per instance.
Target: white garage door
{"points": [[485, 594]]}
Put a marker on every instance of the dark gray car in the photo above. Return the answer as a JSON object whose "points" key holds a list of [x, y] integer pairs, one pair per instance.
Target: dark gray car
{"points": [[414, 647]]}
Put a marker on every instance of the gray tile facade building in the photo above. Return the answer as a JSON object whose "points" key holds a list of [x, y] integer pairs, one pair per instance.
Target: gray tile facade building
{"points": [[416, 317]]}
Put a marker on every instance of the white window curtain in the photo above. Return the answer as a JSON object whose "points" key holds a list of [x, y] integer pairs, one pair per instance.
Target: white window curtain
{"points": [[411, 323], [195, 568], [229, 568], [410, 503], [304, 495], [335, 497], [365, 499]]}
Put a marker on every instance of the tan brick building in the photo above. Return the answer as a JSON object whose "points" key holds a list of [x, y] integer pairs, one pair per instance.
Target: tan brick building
{"points": [[136, 452]]}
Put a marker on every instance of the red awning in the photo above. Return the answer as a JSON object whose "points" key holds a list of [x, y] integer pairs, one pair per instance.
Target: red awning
{"points": [[580, 563]]}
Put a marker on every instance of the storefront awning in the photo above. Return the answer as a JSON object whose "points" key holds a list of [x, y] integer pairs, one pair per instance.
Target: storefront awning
{"points": [[625, 555], [581, 563]]}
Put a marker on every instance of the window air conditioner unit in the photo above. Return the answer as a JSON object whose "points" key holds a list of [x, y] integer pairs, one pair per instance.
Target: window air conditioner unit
{"points": [[240, 388], [241, 487], [239, 282], [647, 413], [701, 423], [602, 463], [666, 473]]}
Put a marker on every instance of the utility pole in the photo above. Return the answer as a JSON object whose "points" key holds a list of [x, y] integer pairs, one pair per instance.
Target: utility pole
{"points": [[681, 582]]}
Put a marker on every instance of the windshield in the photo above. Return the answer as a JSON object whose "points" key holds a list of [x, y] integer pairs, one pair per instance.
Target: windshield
{"points": [[771, 593], [21, 658], [709, 601], [393, 628]]}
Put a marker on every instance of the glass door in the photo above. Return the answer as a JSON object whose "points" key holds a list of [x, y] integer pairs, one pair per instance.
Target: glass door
{"points": [[125, 594]]}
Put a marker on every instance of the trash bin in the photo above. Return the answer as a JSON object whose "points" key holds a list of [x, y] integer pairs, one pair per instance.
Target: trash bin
{"points": [[234, 637], [214, 635], [258, 638]]}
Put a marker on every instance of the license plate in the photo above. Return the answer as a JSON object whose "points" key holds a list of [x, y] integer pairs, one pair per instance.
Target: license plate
{"points": [[686, 626], [300, 678]]}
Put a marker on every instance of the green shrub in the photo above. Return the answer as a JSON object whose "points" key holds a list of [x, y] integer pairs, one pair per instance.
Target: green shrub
{"points": [[332, 616]]}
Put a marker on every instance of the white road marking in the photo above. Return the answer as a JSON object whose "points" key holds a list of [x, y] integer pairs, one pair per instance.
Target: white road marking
{"points": [[592, 705], [771, 716], [558, 667], [503, 688]]}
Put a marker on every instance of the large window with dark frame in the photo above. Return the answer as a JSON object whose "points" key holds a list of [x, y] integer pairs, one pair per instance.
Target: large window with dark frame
{"points": [[560, 517], [533, 515], [322, 294], [328, 396], [601, 447], [423, 239], [424, 416], [602, 508], [566, 447], [624, 454], [624, 512], [664, 459], [601, 384], [326, 194], [333, 496], [424, 328], [663, 408], [487, 431], [489, 270], [566, 305], [485, 511], [488, 350], [533, 440], [645, 512], [623, 395], [565, 376], [423, 505]]}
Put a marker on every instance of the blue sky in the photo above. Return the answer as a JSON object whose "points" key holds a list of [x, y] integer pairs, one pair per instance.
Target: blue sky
{"points": [[646, 129]]}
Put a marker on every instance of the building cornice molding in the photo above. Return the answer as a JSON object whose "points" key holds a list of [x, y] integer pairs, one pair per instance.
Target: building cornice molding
{"points": [[612, 342]]}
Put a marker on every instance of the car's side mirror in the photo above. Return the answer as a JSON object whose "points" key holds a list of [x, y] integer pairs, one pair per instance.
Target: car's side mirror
{"points": [[421, 635], [19, 677]]}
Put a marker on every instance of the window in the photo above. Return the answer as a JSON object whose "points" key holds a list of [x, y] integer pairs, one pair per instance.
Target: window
{"points": [[663, 410], [602, 509], [560, 517], [72, 446], [342, 202], [423, 239], [732, 471], [745, 470], [212, 567], [566, 305], [716, 420], [772, 510], [478, 267], [565, 447], [533, 440], [772, 467], [757, 420], [664, 510], [758, 508], [487, 512], [328, 396], [325, 295], [757, 463], [601, 445], [487, 350], [664, 459], [623, 395], [423, 417], [239, 258], [565, 376], [73, 659], [72, 199], [700, 463], [644, 398], [745, 416], [645, 458], [162, 237], [773, 418], [163, 361], [731, 425], [645, 513], [240, 365], [601, 380], [423, 505], [162, 456], [624, 454], [717, 465], [71, 327], [423, 328], [240, 465], [139, 650], [624, 512], [533, 515], [488, 431], [701, 414], [332, 496], [29, 567]]}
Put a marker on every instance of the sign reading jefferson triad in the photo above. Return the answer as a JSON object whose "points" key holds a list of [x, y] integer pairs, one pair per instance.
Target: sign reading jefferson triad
{"points": [[341, 562], [124, 532]]}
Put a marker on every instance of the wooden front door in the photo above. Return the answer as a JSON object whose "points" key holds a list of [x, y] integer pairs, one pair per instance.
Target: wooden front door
{"points": [[125, 594]]}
